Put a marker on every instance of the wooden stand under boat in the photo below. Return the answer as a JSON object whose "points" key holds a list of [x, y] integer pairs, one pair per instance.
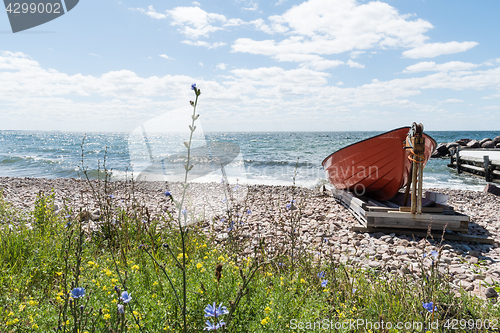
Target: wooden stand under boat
{"points": [[389, 217]]}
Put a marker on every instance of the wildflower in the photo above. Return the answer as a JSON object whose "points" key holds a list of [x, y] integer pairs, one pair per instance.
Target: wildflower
{"points": [[324, 283], [111, 196], [121, 308], [288, 206], [167, 194], [265, 321], [117, 289], [67, 216], [68, 225], [434, 253], [212, 311], [184, 212], [321, 274], [107, 316], [135, 267], [193, 86], [224, 200], [78, 292], [267, 310], [249, 211], [141, 246], [429, 306], [302, 281], [354, 290], [199, 265], [212, 327], [125, 298]]}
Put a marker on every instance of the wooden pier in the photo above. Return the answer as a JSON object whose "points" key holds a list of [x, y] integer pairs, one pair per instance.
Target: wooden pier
{"points": [[482, 162]]}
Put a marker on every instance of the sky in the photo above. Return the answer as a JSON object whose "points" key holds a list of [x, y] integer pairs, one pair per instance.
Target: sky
{"points": [[279, 65]]}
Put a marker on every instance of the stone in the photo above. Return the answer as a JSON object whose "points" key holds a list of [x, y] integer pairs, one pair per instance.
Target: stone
{"points": [[484, 140], [498, 145], [496, 140], [473, 260], [374, 264], [474, 253], [493, 189], [441, 148], [451, 145], [473, 144], [490, 293], [463, 142], [488, 144]]}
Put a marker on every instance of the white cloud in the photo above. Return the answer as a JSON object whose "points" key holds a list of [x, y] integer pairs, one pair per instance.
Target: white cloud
{"points": [[431, 50], [354, 64], [326, 27], [340, 83], [355, 54], [151, 12], [196, 3], [453, 101], [95, 55], [200, 63], [204, 44], [165, 56], [221, 66], [446, 67]]}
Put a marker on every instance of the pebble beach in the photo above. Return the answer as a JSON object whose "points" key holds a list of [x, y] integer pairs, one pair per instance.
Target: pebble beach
{"points": [[323, 224]]}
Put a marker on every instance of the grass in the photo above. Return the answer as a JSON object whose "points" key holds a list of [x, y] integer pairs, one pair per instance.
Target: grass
{"points": [[38, 269]]}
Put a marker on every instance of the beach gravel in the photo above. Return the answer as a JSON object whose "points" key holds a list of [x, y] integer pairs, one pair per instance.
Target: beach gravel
{"points": [[314, 220]]}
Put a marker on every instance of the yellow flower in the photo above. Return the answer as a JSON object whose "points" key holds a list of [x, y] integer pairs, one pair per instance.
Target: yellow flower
{"points": [[114, 281], [179, 256], [267, 310], [91, 263], [32, 303], [21, 307], [155, 283], [135, 267], [104, 288], [302, 281], [221, 258], [34, 326], [107, 316], [10, 314], [199, 265], [205, 257], [265, 321], [59, 273]]}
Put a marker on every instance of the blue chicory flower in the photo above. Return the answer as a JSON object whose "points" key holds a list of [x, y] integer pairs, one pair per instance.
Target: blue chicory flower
{"points": [[184, 212], [193, 86], [78, 292], [212, 311], [429, 306], [249, 211], [67, 216], [126, 297], [321, 274], [68, 225], [288, 206], [111, 196], [168, 194], [213, 327], [324, 283], [435, 253], [121, 308], [117, 289], [224, 200]]}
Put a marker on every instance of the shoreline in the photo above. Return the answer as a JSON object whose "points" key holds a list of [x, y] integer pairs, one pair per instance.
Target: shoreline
{"points": [[324, 228]]}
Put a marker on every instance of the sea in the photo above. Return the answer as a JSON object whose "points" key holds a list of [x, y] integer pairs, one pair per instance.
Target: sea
{"points": [[271, 158]]}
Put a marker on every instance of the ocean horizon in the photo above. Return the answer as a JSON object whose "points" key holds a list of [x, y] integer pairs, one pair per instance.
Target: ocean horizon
{"points": [[268, 158]]}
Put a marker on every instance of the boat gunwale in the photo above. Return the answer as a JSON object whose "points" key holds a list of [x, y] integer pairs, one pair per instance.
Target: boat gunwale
{"points": [[373, 137]]}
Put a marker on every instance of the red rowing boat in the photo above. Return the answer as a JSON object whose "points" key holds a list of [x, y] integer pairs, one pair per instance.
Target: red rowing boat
{"points": [[377, 167]]}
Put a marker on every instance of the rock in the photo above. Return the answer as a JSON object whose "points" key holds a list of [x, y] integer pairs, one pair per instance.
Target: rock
{"points": [[496, 140], [474, 253], [473, 260], [451, 145], [484, 140], [490, 188], [473, 144], [488, 144], [464, 142], [441, 148], [490, 293], [498, 145]]}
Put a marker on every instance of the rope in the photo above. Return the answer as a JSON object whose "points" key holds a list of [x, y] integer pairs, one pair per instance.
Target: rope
{"points": [[412, 153]]}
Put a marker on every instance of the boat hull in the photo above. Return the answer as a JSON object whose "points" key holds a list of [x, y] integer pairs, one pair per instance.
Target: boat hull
{"points": [[377, 167]]}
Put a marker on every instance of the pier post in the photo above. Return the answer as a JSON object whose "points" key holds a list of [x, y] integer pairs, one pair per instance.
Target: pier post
{"points": [[487, 173], [459, 170]]}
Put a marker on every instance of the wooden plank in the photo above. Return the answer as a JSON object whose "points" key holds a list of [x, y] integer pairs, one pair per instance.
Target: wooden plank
{"points": [[385, 222], [419, 217], [424, 209], [423, 234], [380, 209]]}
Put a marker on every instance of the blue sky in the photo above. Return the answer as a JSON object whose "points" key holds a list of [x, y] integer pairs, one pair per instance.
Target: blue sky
{"points": [[317, 65]]}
